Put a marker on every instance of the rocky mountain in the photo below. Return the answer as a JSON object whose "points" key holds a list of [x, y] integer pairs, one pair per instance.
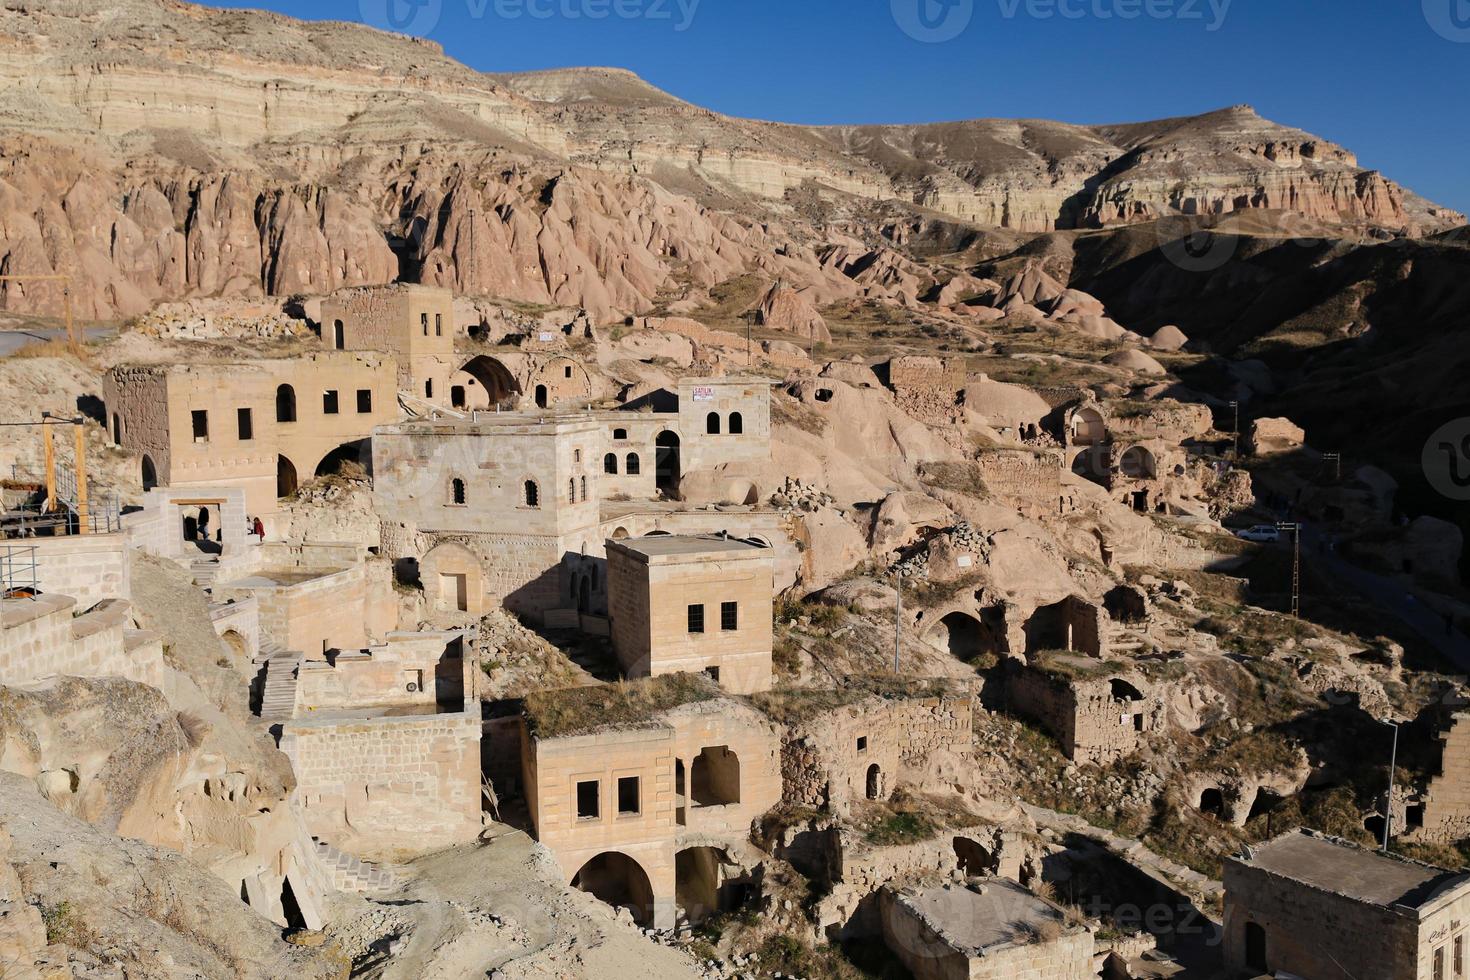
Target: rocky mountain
{"points": [[157, 149]]}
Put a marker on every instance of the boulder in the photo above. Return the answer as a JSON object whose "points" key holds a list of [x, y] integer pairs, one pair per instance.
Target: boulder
{"points": [[783, 308], [1134, 360], [1168, 338], [1271, 436]]}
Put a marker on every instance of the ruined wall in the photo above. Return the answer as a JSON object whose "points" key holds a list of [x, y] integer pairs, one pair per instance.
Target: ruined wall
{"points": [[310, 612], [1447, 798], [1021, 473], [823, 762], [1089, 723], [427, 663], [388, 786], [41, 637]]}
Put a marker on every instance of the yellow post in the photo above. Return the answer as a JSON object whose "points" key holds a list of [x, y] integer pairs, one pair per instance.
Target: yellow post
{"points": [[81, 432], [50, 464]]}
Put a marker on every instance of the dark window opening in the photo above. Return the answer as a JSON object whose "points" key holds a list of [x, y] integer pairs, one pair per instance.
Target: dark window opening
{"points": [[737, 424], [620, 433], [245, 423], [729, 616], [628, 802], [696, 619], [589, 803], [862, 743], [364, 401], [610, 464], [285, 404], [713, 673], [339, 335], [424, 322], [429, 388], [533, 494], [438, 324], [712, 423], [632, 467], [200, 422], [456, 491], [329, 402]]}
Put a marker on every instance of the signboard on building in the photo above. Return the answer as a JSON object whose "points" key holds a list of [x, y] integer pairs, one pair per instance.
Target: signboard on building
{"points": [[704, 393]]}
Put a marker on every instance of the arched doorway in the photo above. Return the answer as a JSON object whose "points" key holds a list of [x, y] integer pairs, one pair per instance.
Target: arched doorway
{"points": [[620, 881], [351, 459], [150, 473], [285, 477], [542, 399], [620, 534], [1212, 802], [873, 784], [1138, 464], [495, 378], [1255, 946], [971, 858], [339, 335], [1088, 428], [699, 888], [285, 403], [666, 462], [715, 777], [1092, 465], [962, 635]]}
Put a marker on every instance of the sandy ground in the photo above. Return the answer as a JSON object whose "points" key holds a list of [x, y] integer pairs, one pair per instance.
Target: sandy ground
{"points": [[497, 908]]}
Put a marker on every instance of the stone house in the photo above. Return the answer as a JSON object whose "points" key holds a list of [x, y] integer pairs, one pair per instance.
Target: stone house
{"points": [[1095, 717], [692, 604], [642, 815], [1314, 906], [265, 426], [414, 324], [990, 930]]}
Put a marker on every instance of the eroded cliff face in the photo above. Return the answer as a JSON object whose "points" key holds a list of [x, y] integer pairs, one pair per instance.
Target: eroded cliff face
{"points": [[158, 150]]}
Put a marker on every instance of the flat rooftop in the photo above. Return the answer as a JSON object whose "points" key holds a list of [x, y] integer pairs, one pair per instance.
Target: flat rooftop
{"points": [[973, 921], [486, 423], [1352, 871], [656, 546]]}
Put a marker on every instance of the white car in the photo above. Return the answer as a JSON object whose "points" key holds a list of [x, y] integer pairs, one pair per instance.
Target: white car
{"points": [[1266, 533]]}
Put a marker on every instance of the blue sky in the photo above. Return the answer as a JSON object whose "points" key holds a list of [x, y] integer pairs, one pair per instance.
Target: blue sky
{"points": [[1386, 78]]}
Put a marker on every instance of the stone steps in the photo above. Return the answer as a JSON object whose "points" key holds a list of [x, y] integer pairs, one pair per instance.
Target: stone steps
{"points": [[278, 696], [352, 874]]}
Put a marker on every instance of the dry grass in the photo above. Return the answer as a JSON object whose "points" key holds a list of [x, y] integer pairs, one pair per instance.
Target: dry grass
{"points": [[791, 705], [583, 710]]}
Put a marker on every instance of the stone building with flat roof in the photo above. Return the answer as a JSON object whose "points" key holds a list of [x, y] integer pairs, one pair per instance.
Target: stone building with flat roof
{"points": [[265, 426], [491, 507], [644, 815], [413, 323], [1315, 906], [693, 604], [991, 930]]}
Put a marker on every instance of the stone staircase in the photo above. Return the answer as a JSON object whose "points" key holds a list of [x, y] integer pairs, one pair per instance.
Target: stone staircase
{"points": [[278, 693], [204, 571], [352, 874]]}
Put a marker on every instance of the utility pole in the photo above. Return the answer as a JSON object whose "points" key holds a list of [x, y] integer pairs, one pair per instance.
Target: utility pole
{"points": [[71, 333], [1388, 798], [1235, 433], [1296, 566]]}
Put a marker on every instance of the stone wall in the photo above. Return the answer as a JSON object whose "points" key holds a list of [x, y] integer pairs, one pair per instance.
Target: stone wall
{"points": [[1447, 797], [41, 637], [826, 760], [410, 670], [1021, 473], [1090, 724], [390, 786], [88, 567]]}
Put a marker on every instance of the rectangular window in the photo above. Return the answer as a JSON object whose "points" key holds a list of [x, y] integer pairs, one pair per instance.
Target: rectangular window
{"points": [[1439, 964], [862, 743], [628, 796], [713, 673], [729, 616], [329, 402], [589, 806], [438, 324], [424, 321], [696, 619], [245, 423], [364, 401], [1459, 957], [200, 421]]}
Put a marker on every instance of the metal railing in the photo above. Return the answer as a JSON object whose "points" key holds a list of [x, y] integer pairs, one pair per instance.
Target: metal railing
{"points": [[19, 572]]}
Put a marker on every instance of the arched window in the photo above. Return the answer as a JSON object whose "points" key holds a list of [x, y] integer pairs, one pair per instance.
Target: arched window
{"points": [[620, 433], [610, 464], [456, 491], [572, 490], [632, 465], [737, 424], [339, 335], [712, 423], [584, 488], [285, 404], [533, 494]]}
